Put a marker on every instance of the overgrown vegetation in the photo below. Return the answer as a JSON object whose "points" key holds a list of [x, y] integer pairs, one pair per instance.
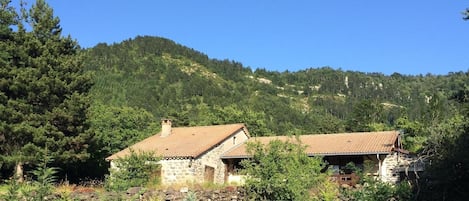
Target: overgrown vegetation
{"points": [[39, 189], [447, 175], [45, 177], [137, 169], [372, 189], [282, 171]]}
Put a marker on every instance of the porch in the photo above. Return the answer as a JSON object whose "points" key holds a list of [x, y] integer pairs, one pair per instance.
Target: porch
{"points": [[343, 169]]}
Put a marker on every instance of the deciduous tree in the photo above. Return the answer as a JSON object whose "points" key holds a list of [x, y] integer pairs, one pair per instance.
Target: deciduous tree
{"points": [[446, 176], [116, 128]]}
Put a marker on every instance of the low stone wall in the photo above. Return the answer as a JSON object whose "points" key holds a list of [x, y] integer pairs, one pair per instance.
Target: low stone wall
{"points": [[226, 194], [230, 193]]}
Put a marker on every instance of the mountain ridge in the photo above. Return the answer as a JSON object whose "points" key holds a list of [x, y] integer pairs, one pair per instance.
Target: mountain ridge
{"points": [[151, 72]]}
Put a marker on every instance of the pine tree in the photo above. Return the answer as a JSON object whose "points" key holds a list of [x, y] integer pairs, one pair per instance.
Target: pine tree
{"points": [[44, 92]]}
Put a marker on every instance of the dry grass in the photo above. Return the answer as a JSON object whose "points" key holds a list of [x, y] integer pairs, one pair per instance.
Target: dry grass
{"points": [[3, 189]]}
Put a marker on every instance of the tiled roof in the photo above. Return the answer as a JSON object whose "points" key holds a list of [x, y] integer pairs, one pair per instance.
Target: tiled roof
{"points": [[183, 142], [332, 144]]}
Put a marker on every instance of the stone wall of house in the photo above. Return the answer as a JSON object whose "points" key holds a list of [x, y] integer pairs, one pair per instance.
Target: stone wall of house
{"points": [[393, 164], [212, 158], [389, 168], [174, 171], [177, 171]]}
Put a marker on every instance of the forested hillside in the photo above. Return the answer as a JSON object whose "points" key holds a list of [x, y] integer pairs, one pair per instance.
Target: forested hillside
{"points": [[169, 80]]}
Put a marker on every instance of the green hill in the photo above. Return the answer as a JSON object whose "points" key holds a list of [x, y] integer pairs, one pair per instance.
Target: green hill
{"points": [[170, 80]]}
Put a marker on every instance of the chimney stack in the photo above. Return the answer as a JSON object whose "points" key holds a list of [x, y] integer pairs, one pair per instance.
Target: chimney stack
{"points": [[165, 127]]}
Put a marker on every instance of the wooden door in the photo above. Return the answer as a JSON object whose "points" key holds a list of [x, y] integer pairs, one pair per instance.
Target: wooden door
{"points": [[209, 174]]}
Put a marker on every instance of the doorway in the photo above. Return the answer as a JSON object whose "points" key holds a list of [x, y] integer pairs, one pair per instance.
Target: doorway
{"points": [[209, 174]]}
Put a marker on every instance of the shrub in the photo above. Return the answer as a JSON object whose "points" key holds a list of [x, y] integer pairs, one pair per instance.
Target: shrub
{"points": [[39, 189], [375, 190], [135, 170], [12, 190], [45, 178], [281, 171], [191, 196]]}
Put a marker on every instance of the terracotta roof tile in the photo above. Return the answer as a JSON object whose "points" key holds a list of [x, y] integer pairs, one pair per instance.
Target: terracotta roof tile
{"points": [[332, 144], [183, 141]]}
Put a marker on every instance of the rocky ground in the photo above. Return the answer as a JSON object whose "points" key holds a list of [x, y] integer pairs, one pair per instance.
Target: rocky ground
{"points": [[229, 193]]}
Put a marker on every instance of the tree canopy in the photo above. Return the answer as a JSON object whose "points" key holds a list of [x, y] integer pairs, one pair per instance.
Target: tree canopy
{"points": [[43, 89]]}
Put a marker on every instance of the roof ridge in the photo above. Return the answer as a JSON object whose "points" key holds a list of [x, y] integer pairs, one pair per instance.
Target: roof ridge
{"points": [[358, 143], [219, 125], [330, 134], [353, 133]]}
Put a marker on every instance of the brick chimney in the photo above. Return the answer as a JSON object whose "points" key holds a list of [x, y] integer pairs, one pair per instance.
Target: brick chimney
{"points": [[165, 127]]}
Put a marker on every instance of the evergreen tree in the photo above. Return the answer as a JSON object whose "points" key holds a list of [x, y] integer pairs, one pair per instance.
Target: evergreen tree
{"points": [[8, 19], [364, 115], [43, 90]]}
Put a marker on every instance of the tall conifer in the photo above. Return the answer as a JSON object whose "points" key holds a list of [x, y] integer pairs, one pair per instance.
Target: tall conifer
{"points": [[44, 92]]}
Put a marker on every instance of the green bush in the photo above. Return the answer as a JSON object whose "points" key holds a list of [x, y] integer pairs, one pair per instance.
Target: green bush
{"points": [[281, 171], [135, 170], [375, 190], [12, 190]]}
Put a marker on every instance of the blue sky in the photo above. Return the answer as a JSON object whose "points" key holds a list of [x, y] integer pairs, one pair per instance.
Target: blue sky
{"points": [[408, 37]]}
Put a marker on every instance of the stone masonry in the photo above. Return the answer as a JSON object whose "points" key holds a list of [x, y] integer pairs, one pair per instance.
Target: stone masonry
{"points": [[188, 170], [395, 163]]}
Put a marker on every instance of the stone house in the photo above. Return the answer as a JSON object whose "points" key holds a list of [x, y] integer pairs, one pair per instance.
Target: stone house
{"points": [[380, 151], [190, 154], [213, 153]]}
